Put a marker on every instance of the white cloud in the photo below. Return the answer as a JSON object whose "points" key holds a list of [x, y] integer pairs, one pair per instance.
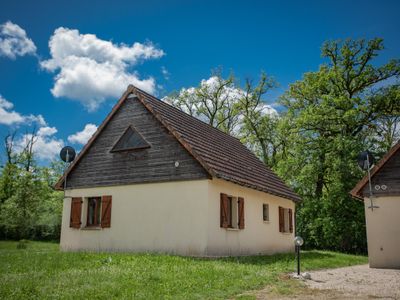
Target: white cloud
{"points": [[47, 131], [11, 117], [192, 102], [81, 137], [45, 147], [165, 73], [199, 101], [91, 70], [14, 41]]}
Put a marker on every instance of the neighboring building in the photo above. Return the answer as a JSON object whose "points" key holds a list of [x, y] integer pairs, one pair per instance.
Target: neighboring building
{"points": [[154, 179], [383, 221]]}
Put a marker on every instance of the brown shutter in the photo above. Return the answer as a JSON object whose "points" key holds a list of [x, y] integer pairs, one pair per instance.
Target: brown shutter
{"points": [[281, 219], [224, 211], [290, 220], [76, 211], [241, 212], [106, 202]]}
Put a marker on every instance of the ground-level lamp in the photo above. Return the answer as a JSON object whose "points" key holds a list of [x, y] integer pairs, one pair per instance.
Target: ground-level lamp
{"points": [[298, 242]]}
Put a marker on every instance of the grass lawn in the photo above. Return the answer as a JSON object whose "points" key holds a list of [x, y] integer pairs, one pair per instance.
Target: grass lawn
{"points": [[42, 272]]}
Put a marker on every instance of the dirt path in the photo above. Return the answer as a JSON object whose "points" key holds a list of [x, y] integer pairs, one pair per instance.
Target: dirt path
{"points": [[357, 282]]}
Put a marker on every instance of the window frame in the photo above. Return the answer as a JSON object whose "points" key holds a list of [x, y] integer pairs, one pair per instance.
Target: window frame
{"points": [[96, 214], [286, 220], [233, 211], [265, 216], [113, 150]]}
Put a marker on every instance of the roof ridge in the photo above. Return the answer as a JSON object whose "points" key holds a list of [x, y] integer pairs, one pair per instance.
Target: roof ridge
{"points": [[181, 111], [227, 135]]}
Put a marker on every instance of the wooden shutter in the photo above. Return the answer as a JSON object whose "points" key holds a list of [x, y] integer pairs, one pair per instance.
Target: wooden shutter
{"points": [[290, 220], [224, 221], [106, 202], [281, 219], [241, 212], [76, 212]]}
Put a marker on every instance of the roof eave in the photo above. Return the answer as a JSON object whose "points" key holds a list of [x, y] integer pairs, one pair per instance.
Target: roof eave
{"points": [[356, 191], [296, 198]]}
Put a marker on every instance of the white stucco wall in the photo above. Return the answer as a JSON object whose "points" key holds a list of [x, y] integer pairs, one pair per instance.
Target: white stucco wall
{"points": [[160, 217], [383, 232], [258, 237], [180, 217]]}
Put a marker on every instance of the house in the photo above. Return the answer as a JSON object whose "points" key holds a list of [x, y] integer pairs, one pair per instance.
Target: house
{"points": [[155, 179], [382, 210]]}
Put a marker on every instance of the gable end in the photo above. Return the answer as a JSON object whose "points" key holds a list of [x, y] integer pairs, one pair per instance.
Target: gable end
{"points": [[102, 165]]}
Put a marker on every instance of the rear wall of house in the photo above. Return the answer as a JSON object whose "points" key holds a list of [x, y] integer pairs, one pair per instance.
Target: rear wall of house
{"points": [[383, 232], [159, 217], [258, 236]]}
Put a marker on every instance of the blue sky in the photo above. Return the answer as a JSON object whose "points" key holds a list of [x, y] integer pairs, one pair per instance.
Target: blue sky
{"points": [[186, 38]]}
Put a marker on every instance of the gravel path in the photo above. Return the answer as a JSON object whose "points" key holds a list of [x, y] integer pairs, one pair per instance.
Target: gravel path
{"points": [[360, 282]]}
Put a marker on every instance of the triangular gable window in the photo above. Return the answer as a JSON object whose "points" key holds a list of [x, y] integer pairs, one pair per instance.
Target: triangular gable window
{"points": [[130, 140]]}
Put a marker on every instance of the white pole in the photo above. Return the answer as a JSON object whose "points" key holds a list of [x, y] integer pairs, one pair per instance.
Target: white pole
{"points": [[370, 185]]}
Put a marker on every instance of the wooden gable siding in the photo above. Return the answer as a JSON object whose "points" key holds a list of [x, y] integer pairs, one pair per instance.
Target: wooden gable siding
{"points": [[388, 175], [100, 167]]}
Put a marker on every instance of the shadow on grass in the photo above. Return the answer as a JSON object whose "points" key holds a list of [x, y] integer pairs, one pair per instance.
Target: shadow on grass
{"points": [[262, 260]]}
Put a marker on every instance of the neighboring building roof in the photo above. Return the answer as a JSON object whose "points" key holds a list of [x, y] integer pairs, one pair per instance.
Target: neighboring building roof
{"points": [[357, 190], [220, 154]]}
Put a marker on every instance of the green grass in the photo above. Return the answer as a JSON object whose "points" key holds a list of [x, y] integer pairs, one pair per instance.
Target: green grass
{"points": [[42, 272]]}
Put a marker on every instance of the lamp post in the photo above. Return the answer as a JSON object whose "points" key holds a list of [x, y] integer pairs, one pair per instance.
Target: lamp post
{"points": [[298, 242]]}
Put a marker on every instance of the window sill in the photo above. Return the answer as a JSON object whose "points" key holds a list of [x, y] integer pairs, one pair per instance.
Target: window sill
{"points": [[266, 222], [232, 229], [287, 233], [91, 228]]}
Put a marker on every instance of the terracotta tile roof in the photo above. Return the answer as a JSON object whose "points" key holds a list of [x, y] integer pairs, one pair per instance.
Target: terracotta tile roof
{"points": [[220, 154], [357, 190]]}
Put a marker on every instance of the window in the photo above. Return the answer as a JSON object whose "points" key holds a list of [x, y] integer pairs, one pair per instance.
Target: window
{"points": [[130, 140], [285, 220], [265, 212], [98, 211], [231, 212], [93, 211]]}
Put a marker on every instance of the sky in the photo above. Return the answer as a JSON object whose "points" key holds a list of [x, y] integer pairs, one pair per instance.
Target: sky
{"points": [[64, 64]]}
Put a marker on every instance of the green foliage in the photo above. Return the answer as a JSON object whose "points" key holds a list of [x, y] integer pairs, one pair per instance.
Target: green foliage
{"points": [[331, 116], [42, 272], [29, 206], [260, 123]]}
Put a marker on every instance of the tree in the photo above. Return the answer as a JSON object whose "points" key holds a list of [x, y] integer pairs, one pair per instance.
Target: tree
{"points": [[260, 122], [214, 101], [7, 186], [29, 207], [329, 118]]}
